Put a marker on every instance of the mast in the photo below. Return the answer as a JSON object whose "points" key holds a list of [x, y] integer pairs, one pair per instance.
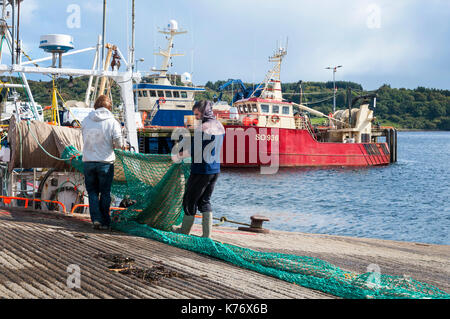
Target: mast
{"points": [[13, 30], [167, 54], [272, 82], [133, 35], [16, 51], [103, 33]]}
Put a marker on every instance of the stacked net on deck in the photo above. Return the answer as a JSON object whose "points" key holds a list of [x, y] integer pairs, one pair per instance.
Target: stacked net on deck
{"points": [[156, 186]]}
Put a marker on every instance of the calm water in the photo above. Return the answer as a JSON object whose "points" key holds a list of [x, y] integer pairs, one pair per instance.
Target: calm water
{"points": [[407, 201]]}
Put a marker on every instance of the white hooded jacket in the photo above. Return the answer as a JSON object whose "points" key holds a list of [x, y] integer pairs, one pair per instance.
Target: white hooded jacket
{"points": [[101, 133]]}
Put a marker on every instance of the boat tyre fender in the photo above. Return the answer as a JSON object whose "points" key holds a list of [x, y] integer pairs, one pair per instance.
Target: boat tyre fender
{"points": [[275, 119]]}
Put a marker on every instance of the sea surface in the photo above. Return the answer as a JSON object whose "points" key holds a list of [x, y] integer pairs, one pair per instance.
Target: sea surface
{"points": [[406, 201]]}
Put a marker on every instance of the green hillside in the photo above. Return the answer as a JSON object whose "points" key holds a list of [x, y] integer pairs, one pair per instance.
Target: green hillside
{"points": [[420, 108]]}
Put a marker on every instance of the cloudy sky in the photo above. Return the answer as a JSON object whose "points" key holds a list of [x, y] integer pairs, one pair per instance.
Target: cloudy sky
{"points": [[404, 43]]}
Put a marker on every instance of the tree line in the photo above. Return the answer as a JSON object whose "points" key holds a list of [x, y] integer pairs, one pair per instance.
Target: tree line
{"points": [[420, 108]]}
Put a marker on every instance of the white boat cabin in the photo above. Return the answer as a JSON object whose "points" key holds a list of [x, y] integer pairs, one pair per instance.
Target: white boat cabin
{"points": [[263, 113]]}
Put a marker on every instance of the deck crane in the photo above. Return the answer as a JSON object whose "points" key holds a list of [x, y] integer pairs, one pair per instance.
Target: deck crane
{"points": [[242, 93]]}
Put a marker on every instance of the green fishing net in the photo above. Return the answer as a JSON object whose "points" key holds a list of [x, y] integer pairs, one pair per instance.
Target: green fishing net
{"points": [[154, 185]]}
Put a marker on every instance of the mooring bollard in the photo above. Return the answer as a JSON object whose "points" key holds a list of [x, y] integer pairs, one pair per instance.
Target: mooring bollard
{"points": [[256, 224]]}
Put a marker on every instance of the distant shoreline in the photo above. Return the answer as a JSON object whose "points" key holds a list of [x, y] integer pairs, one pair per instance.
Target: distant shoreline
{"points": [[418, 130]]}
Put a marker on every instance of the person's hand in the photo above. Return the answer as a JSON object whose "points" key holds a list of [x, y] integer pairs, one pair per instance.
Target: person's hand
{"points": [[178, 158]]}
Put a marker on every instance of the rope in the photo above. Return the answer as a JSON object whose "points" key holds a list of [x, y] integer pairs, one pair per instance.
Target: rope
{"points": [[21, 148], [223, 219], [318, 101], [42, 148], [68, 108]]}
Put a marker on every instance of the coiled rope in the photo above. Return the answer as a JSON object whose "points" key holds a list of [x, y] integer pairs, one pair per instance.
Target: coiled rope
{"points": [[43, 149]]}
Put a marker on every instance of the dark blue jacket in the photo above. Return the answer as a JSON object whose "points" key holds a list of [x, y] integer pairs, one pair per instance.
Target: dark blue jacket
{"points": [[206, 160]]}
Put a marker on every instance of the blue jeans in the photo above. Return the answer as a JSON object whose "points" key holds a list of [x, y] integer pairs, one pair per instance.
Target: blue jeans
{"points": [[98, 178]]}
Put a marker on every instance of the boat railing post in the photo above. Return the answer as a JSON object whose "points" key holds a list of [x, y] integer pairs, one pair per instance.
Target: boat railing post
{"points": [[349, 104], [395, 145]]}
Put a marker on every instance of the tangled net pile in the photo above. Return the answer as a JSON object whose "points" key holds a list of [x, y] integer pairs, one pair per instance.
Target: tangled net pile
{"points": [[156, 185]]}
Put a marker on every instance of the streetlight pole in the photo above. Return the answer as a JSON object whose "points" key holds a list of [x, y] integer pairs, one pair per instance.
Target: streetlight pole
{"points": [[140, 60], [334, 84]]}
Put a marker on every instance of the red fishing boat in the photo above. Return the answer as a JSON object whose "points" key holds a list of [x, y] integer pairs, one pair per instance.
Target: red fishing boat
{"points": [[264, 130]]}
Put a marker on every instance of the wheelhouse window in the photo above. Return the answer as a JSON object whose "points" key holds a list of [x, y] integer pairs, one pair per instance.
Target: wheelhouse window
{"points": [[140, 93], [145, 93], [275, 109], [160, 93], [152, 93], [168, 94], [241, 110], [244, 107], [255, 108], [184, 94], [176, 94], [264, 108], [286, 110]]}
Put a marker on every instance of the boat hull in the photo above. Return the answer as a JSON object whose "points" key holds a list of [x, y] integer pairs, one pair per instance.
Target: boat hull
{"points": [[277, 147]]}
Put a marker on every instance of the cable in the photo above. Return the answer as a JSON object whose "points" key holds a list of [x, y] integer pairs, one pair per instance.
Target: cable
{"points": [[318, 102], [39, 144]]}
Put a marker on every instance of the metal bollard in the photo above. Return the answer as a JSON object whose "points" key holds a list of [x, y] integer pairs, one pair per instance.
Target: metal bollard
{"points": [[256, 225]]}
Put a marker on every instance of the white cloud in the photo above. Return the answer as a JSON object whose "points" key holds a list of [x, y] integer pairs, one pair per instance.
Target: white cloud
{"points": [[94, 7], [28, 11]]}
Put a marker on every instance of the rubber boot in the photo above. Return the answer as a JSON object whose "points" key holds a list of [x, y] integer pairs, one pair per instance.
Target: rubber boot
{"points": [[207, 222], [186, 226]]}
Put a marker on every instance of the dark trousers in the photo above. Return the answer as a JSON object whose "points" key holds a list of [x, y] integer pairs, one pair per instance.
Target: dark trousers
{"points": [[197, 195], [98, 178]]}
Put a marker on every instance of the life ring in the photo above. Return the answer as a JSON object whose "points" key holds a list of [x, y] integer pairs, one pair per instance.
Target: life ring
{"points": [[275, 119], [162, 100]]}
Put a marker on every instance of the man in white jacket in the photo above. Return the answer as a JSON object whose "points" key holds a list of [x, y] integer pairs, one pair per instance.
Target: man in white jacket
{"points": [[101, 134]]}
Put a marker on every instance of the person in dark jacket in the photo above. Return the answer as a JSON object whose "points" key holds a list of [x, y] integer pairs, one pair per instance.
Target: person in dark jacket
{"points": [[205, 151]]}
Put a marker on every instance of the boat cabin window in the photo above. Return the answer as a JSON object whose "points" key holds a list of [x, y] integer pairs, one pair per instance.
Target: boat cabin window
{"points": [[184, 94], [241, 110], [176, 94], [168, 94], [264, 108], [244, 107], [160, 93], [140, 93], [275, 109], [286, 110], [145, 93], [181, 106], [152, 93], [255, 108]]}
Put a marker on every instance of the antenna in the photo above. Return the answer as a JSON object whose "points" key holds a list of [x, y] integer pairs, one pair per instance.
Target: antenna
{"points": [[133, 34], [103, 33], [171, 31], [56, 44]]}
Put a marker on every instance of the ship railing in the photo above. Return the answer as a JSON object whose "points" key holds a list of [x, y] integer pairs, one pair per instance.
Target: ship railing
{"points": [[7, 200], [153, 111], [301, 123]]}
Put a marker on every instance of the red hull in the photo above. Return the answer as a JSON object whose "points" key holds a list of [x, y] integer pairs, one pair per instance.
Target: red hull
{"points": [[259, 146]]}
